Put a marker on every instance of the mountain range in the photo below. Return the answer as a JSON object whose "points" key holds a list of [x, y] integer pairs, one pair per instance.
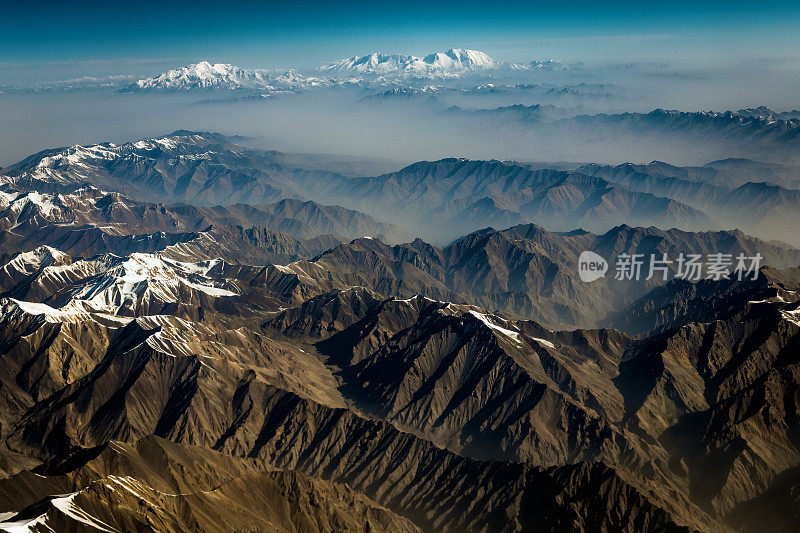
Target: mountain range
{"points": [[690, 135], [145, 379], [454, 62], [438, 200], [224, 77], [376, 68], [522, 271], [198, 335]]}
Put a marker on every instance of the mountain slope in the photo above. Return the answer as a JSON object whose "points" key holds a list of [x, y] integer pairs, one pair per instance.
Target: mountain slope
{"points": [[438, 200], [155, 484], [447, 414], [306, 220], [203, 398], [450, 196], [754, 206], [524, 270], [89, 221]]}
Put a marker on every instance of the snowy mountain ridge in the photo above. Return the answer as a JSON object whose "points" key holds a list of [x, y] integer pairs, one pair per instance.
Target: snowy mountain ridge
{"points": [[451, 63], [369, 68], [223, 76]]}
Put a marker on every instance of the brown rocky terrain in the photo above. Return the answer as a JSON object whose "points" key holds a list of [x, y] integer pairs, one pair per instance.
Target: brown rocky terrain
{"points": [[168, 367], [448, 415]]}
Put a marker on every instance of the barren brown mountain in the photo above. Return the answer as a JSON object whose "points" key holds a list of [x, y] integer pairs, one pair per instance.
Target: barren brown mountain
{"points": [[176, 367]]}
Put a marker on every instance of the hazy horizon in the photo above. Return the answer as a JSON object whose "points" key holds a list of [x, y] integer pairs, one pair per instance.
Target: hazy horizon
{"points": [[62, 64]]}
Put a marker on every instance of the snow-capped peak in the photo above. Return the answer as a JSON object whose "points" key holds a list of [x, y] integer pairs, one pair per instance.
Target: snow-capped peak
{"points": [[27, 263], [141, 283], [453, 62], [202, 75], [460, 59], [223, 76], [373, 63], [42, 202], [548, 64]]}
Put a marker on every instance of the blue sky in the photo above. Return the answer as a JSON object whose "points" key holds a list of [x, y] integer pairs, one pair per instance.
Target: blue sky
{"points": [[59, 40]]}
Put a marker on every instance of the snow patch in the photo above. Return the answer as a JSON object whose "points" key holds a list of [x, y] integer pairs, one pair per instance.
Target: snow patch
{"points": [[546, 343], [64, 503], [513, 335], [792, 316]]}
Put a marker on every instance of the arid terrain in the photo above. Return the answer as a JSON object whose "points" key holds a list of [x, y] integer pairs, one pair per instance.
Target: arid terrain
{"points": [[200, 336]]}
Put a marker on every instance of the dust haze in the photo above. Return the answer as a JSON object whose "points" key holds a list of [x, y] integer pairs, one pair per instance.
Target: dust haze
{"points": [[458, 122]]}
